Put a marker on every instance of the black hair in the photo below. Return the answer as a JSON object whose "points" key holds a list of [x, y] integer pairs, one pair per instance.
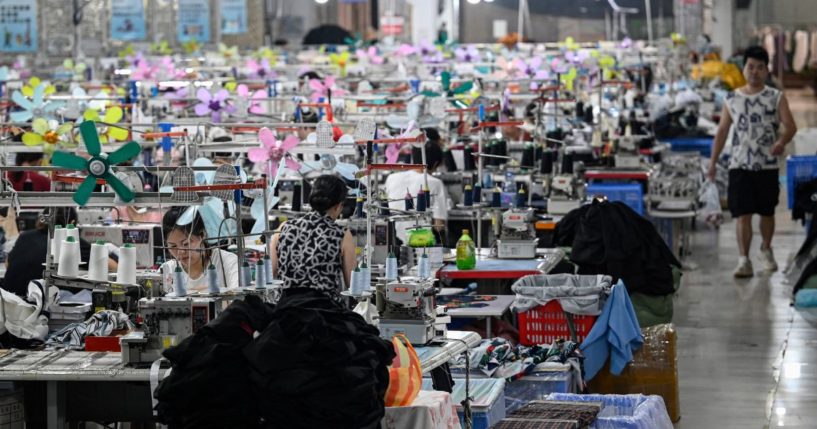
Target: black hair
{"points": [[32, 157], [434, 154], [307, 76], [327, 191], [757, 53], [432, 134], [62, 216], [170, 223]]}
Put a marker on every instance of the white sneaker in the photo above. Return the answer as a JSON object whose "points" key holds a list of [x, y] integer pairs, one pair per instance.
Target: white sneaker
{"points": [[744, 268], [769, 264]]}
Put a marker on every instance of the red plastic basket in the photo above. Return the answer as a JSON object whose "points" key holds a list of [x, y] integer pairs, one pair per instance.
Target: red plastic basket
{"points": [[546, 323]]}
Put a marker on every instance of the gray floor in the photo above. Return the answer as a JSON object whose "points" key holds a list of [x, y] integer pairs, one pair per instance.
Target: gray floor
{"points": [[746, 357]]}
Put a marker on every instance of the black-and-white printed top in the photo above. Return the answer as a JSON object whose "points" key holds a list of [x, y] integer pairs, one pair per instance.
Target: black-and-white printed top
{"points": [[309, 253], [755, 122]]}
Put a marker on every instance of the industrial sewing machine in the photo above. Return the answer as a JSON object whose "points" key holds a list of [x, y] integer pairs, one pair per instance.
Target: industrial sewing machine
{"points": [[517, 238], [408, 306], [564, 194], [165, 323], [147, 239]]}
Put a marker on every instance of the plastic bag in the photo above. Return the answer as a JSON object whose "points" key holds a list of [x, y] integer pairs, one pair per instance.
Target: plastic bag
{"points": [[405, 374], [624, 411], [710, 212]]}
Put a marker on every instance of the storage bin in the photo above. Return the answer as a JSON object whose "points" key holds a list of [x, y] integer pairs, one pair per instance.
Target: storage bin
{"points": [[545, 324], [536, 386], [624, 411], [631, 194], [702, 145], [488, 400], [799, 169]]}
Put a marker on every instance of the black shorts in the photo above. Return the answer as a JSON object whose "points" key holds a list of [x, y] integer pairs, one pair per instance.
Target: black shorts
{"points": [[753, 192]]}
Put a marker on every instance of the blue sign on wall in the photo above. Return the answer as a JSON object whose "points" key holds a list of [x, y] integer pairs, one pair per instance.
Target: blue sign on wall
{"points": [[233, 16], [194, 21], [18, 26], [128, 20]]}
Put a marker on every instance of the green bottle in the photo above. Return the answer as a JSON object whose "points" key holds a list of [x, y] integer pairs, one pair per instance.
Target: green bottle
{"points": [[466, 254]]}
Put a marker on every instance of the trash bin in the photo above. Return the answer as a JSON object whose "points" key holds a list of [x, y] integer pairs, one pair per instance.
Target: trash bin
{"points": [[624, 411]]}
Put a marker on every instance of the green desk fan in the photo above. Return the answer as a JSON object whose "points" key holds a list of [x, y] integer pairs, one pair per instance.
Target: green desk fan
{"points": [[98, 166]]}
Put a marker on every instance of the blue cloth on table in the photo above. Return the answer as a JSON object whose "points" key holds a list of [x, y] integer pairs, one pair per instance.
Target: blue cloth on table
{"points": [[501, 265], [616, 333]]}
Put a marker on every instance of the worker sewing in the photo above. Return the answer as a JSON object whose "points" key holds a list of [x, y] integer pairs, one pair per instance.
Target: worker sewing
{"points": [[314, 252], [411, 181], [186, 241]]}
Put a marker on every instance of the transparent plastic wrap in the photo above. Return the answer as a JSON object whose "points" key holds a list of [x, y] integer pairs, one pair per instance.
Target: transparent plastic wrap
{"points": [[578, 294], [653, 370], [536, 386], [624, 411]]}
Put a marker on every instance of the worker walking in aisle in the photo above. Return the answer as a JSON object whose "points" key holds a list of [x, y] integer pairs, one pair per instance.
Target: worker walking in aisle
{"points": [[753, 114]]}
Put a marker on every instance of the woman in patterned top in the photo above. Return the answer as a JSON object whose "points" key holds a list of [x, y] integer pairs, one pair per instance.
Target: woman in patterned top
{"points": [[313, 251]]}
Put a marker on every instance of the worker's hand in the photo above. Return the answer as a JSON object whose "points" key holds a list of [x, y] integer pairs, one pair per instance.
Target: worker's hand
{"points": [[778, 148], [711, 173]]}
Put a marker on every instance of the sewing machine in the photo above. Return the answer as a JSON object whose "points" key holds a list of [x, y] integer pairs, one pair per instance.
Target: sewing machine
{"points": [[143, 237], [564, 194], [517, 238], [408, 306], [165, 323]]}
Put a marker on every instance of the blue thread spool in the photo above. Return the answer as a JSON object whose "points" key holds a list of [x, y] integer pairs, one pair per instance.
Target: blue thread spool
{"points": [[477, 196], [409, 201], [260, 277], [212, 279], [415, 85], [359, 207], [246, 274], [521, 198], [496, 198], [391, 267], [267, 269], [468, 196], [482, 113], [423, 268], [179, 281], [356, 284], [421, 200], [427, 196]]}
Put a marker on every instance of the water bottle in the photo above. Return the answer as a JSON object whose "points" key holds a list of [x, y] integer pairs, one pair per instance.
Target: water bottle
{"points": [[466, 252]]}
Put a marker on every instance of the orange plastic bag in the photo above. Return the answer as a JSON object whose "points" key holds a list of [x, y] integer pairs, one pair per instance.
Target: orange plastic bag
{"points": [[405, 374]]}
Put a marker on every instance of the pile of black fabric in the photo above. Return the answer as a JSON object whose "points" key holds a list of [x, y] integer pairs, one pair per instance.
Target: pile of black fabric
{"points": [[314, 364], [209, 386], [317, 365], [610, 238]]}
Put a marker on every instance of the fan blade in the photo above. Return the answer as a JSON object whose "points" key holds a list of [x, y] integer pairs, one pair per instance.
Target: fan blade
{"points": [[89, 135], [69, 161], [83, 193], [127, 152], [124, 192]]}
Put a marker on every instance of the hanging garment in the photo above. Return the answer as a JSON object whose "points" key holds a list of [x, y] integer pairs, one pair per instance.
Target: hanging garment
{"points": [[616, 334], [610, 238], [769, 45], [317, 365], [813, 45], [800, 51], [209, 385], [788, 42]]}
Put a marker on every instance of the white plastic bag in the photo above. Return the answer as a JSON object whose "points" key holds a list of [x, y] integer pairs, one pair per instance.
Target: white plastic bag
{"points": [[710, 211]]}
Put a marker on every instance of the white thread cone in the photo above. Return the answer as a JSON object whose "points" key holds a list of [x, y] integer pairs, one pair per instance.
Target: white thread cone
{"points": [[69, 258], [126, 270], [98, 263]]}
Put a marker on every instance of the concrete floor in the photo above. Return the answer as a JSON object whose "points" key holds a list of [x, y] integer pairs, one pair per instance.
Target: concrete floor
{"points": [[745, 356]]}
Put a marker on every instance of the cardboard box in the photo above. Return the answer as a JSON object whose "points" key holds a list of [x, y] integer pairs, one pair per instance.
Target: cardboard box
{"points": [[653, 371]]}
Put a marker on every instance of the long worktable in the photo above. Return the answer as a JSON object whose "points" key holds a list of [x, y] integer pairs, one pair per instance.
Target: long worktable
{"points": [[127, 390]]}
